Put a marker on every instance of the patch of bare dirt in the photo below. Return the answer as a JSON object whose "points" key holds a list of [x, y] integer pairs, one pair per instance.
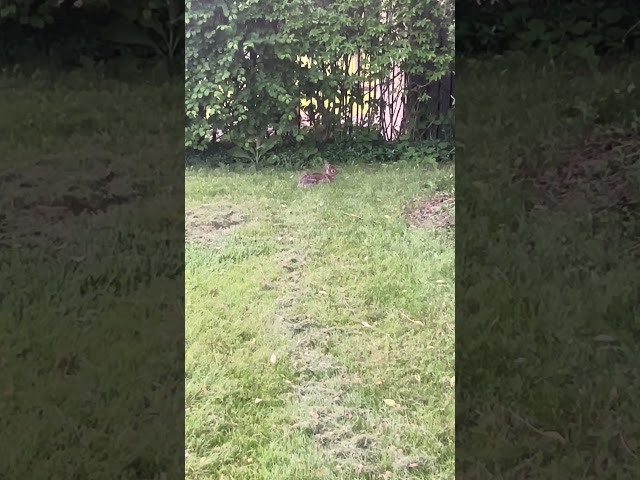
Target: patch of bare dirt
{"points": [[206, 223], [434, 212], [44, 202], [603, 171]]}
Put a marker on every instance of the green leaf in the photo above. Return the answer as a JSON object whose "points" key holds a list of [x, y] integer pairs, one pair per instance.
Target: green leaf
{"points": [[537, 27], [270, 143], [579, 28], [127, 33], [37, 22], [8, 11], [612, 15], [238, 152]]}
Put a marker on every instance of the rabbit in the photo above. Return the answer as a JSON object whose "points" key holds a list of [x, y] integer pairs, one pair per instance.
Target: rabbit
{"points": [[311, 179]]}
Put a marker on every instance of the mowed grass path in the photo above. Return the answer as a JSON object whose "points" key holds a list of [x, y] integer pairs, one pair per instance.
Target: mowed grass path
{"points": [[319, 327]]}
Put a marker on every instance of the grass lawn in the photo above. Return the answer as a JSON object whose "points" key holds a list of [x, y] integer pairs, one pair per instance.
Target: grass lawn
{"points": [[549, 302], [90, 257], [319, 327]]}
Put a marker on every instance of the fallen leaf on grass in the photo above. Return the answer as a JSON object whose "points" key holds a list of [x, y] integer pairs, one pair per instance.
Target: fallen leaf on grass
{"points": [[553, 435], [205, 390], [613, 395], [407, 317], [257, 401], [387, 474], [365, 324], [626, 446], [604, 338], [390, 402], [313, 413], [413, 465], [548, 433], [379, 382], [273, 358]]}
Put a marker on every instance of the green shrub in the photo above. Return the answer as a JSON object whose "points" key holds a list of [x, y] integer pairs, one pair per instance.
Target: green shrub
{"points": [[576, 28], [307, 154], [251, 64], [74, 34]]}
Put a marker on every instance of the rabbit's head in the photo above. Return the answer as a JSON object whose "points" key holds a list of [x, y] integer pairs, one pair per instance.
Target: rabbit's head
{"points": [[330, 169]]}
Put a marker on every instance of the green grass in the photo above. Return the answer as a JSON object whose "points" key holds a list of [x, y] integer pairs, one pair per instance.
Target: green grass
{"points": [[548, 311], [305, 311], [91, 317]]}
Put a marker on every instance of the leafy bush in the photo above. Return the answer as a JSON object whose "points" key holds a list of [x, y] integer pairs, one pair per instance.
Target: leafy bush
{"points": [[306, 155], [73, 32], [578, 28], [250, 64]]}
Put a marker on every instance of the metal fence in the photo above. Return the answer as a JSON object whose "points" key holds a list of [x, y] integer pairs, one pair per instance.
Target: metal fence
{"points": [[382, 105]]}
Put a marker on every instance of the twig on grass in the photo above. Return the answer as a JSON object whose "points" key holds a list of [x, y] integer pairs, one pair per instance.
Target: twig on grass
{"points": [[352, 215]]}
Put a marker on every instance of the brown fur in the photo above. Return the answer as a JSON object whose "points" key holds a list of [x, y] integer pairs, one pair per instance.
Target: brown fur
{"points": [[311, 179]]}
